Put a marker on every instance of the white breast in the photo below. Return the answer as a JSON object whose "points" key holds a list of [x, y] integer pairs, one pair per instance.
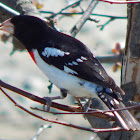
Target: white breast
{"points": [[64, 80]]}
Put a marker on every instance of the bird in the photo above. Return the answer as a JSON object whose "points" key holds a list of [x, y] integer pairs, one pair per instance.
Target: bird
{"points": [[69, 65]]}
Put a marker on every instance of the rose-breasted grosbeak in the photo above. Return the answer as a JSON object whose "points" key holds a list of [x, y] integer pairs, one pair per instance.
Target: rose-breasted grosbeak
{"points": [[68, 64]]}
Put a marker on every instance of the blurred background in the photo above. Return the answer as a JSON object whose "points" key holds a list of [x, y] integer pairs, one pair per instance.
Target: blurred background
{"points": [[19, 70]]}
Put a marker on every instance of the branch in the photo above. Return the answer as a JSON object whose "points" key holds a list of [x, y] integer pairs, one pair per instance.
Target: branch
{"points": [[19, 6], [32, 97], [103, 26], [60, 12], [8, 9], [37, 99], [120, 2], [84, 18], [136, 107], [81, 13], [110, 59], [40, 130], [61, 122], [14, 12]]}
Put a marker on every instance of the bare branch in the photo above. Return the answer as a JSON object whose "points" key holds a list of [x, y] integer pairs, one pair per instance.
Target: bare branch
{"points": [[68, 108], [103, 26], [110, 59], [137, 107], [81, 13], [8, 9], [61, 122], [60, 12], [40, 130], [120, 2], [36, 98], [84, 18]]}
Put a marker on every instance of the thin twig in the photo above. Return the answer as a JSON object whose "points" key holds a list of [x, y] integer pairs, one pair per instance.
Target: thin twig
{"points": [[110, 59], [14, 12], [40, 130], [61, 122], [90, 112], [81, 13], [69, 108], [75, 3], [120, 2], [38, 99], [84, 18], [103, 26]]}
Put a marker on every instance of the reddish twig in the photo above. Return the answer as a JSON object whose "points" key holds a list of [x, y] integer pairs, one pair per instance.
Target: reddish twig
{"points": [[61, 122], [120, 2], [68, 108], [90, 112], [36, 98]]}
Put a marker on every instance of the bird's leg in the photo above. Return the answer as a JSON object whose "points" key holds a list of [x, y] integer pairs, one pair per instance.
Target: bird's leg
{"points": [[78, 101], [49, 99], [87, 105], [84, 106]]}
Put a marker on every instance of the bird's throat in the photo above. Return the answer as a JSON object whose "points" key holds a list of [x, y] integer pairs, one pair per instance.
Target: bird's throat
{"points": [[32, 55]]}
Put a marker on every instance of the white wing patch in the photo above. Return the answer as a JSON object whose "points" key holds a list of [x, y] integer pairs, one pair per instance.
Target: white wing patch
{"points": [[54, 52], [70, 64], [68, 70], [83, 58], [74, 63], [78, 60]]}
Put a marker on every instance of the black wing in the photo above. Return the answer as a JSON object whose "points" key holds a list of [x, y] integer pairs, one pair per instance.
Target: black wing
{"points": [[78, 58]]}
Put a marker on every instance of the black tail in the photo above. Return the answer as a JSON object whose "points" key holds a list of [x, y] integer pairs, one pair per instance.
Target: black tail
{"points": [[124, 117]]}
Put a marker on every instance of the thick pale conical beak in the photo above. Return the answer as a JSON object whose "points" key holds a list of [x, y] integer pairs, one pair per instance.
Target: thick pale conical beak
{"points": [[7, 26]]}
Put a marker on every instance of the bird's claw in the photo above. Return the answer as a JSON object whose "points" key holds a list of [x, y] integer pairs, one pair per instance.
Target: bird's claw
{"points": [[48, 103], [87, 105]]}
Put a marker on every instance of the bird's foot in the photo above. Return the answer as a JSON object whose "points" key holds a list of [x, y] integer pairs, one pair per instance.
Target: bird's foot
{"points": [[49, 102], [83, 105], [87, 105]]}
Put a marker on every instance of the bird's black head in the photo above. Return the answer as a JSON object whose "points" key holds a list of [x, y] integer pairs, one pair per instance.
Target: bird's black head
{"points": [[27, 29]]}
